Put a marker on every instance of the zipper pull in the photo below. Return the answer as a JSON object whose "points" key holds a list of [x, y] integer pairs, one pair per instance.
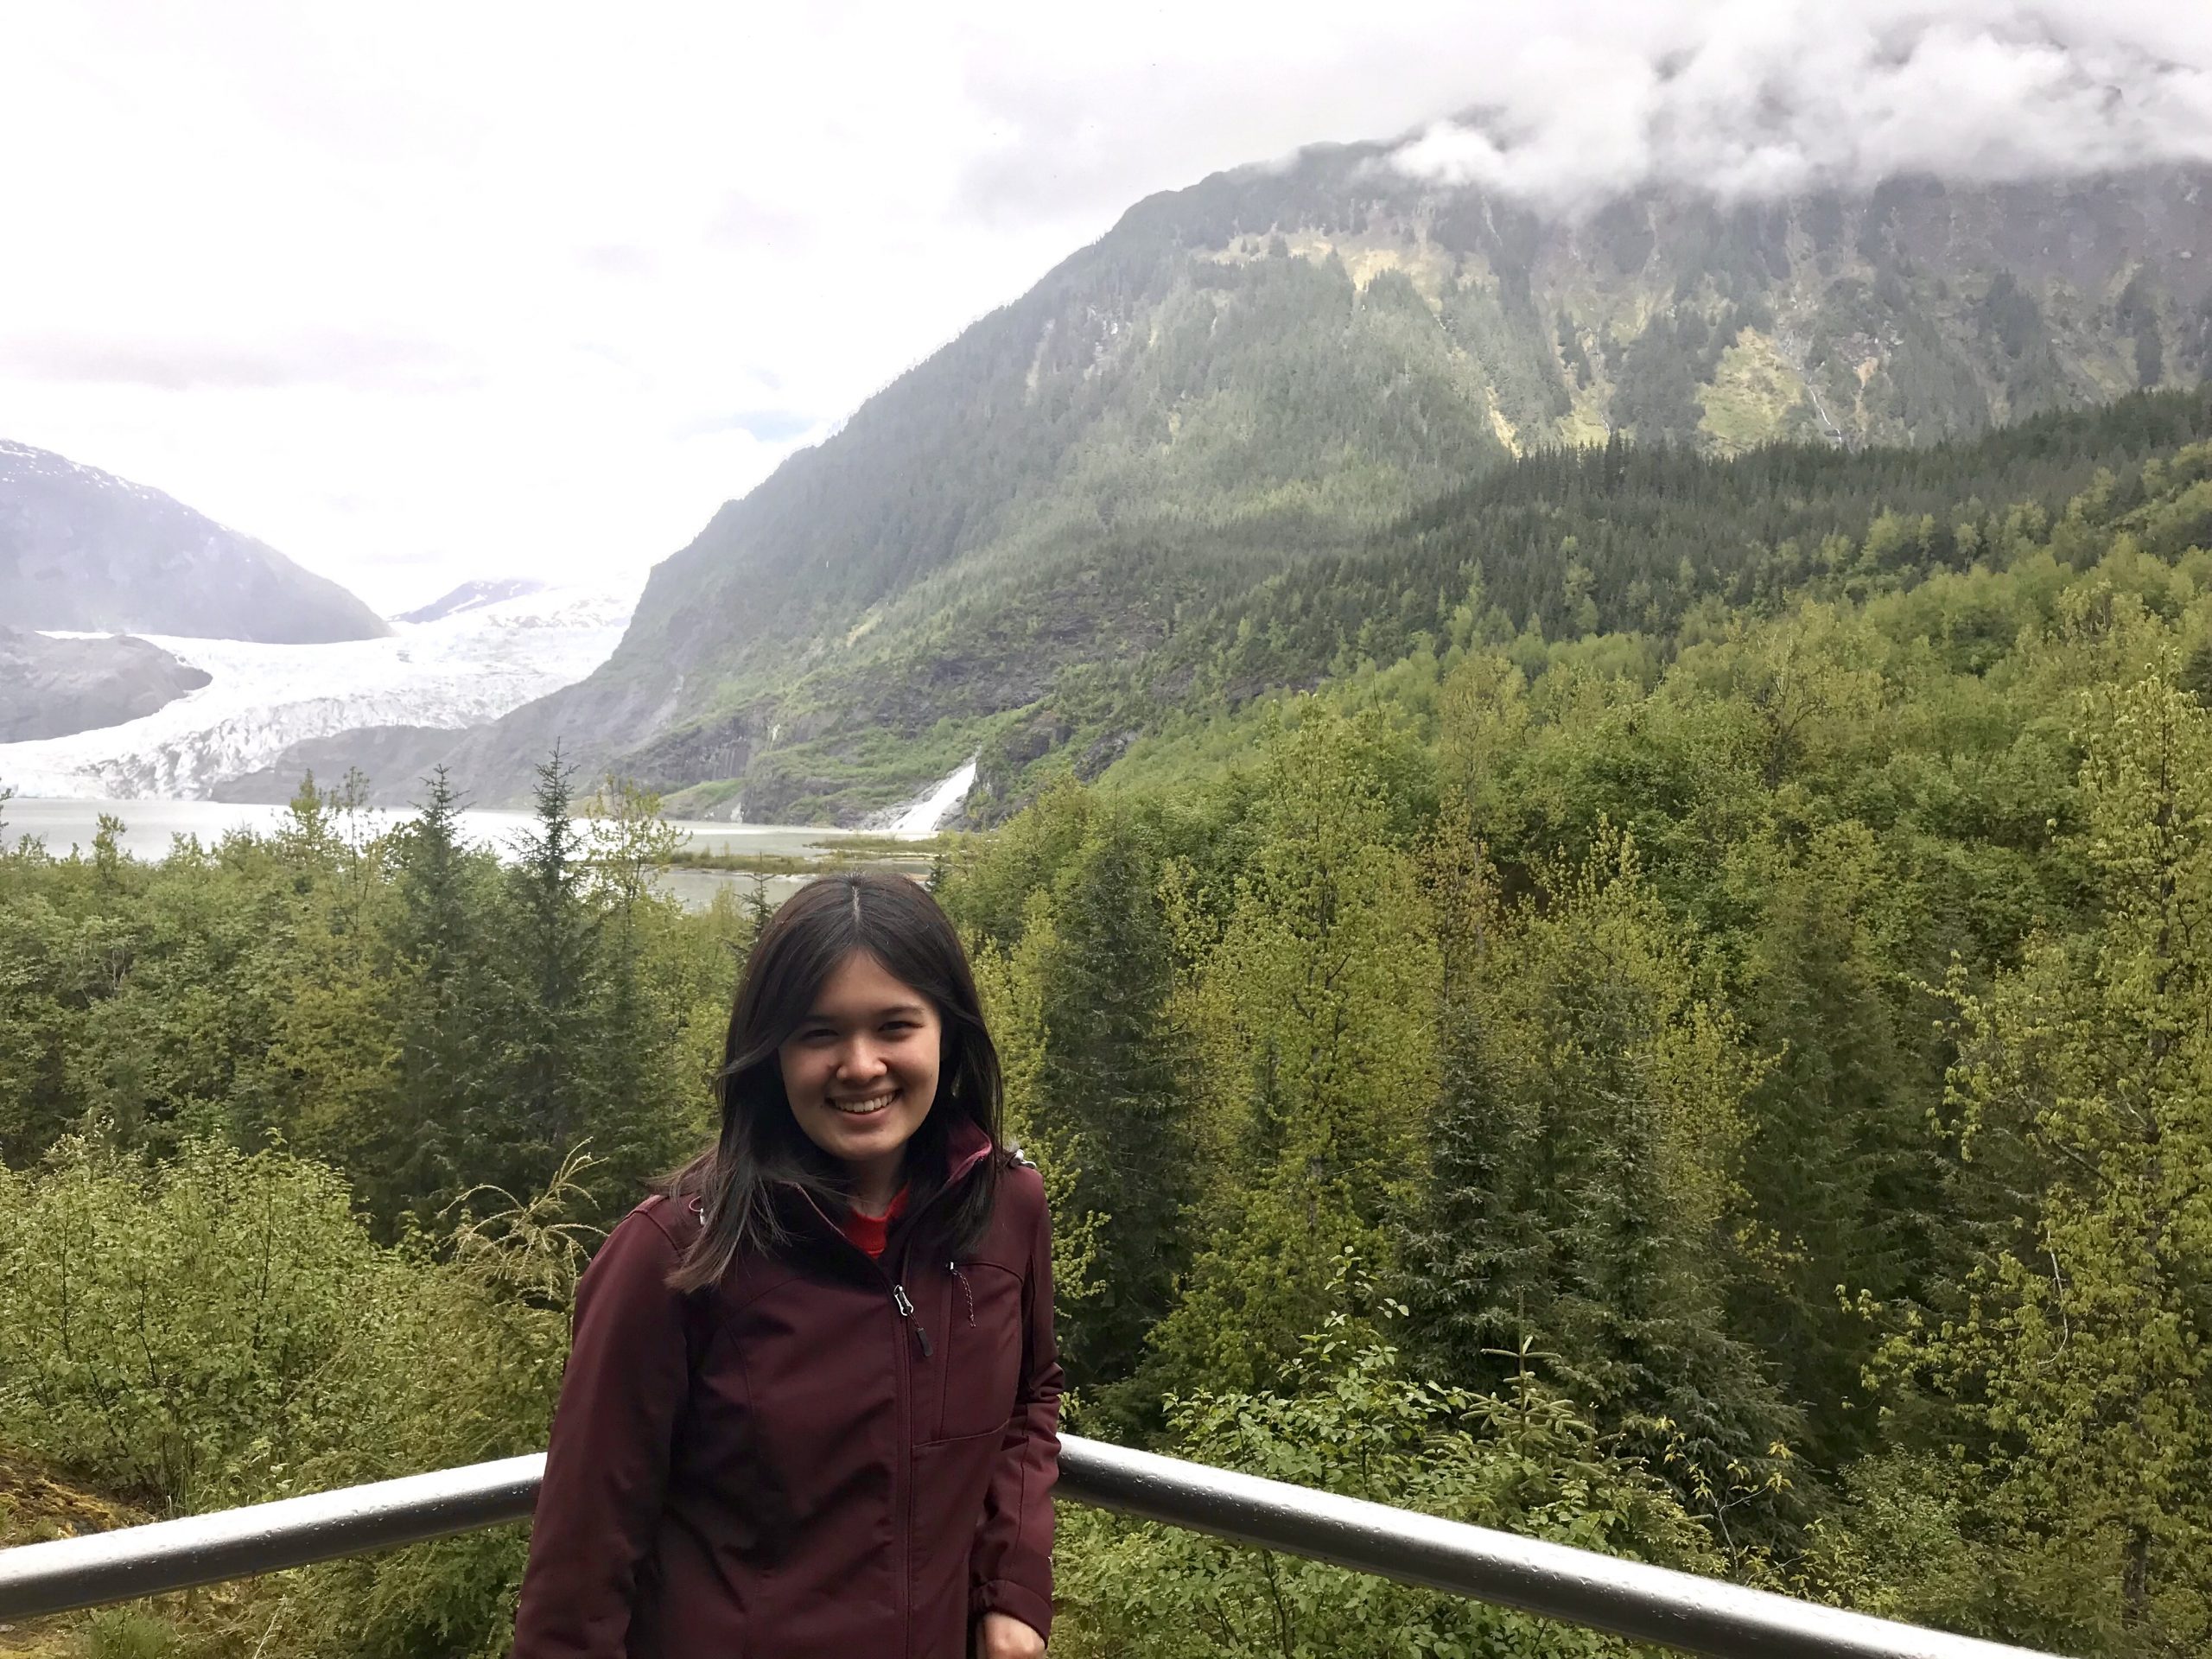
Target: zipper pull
{"points": [[906, 1312]]}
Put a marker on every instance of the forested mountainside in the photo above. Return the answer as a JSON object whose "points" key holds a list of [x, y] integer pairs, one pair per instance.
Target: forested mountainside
{"points": [[82, 550], [1279, 362], [1726, 1081], [1650, 544]]}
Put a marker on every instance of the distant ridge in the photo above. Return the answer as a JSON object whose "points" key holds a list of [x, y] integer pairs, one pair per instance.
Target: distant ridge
{"points": [[85, 550], [471, 594]]}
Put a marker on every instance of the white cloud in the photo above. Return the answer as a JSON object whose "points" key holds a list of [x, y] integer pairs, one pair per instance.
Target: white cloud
{"points": [[1761, 99], [424, 291]]}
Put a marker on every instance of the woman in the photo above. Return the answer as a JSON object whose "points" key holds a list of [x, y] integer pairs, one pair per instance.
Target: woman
{"points": [[812, 1404]]}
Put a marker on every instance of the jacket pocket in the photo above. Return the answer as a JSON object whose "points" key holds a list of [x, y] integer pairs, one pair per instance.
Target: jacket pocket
{"points": [[981, 1350]]}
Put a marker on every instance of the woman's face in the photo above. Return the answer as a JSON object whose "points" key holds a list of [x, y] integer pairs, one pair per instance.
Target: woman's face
{"points": [[861, 1072]]}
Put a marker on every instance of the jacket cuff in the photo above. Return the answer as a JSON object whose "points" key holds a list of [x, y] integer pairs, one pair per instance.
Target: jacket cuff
{"points": [[1005, 1596]]}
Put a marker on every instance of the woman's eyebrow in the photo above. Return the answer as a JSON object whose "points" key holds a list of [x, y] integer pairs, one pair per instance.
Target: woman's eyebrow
{"points": [[908, 1009]]}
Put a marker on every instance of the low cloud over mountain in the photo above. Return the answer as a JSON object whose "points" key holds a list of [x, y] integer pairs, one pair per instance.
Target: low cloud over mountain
{"points": [[1766, 101]]}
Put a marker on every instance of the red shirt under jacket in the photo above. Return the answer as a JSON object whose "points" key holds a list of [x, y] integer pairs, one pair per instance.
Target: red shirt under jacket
{"points": [[872, 1233]]}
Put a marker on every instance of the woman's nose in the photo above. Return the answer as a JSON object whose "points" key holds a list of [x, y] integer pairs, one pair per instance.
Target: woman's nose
{"points": [[859, 1061]]}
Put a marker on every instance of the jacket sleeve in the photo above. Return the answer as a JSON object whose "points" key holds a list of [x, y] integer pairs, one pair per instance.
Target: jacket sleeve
{"points": [[1011, 1567], [628, 1373]]}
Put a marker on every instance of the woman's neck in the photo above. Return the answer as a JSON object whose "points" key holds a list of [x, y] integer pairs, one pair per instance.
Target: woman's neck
{"points": [[875, 1184]]}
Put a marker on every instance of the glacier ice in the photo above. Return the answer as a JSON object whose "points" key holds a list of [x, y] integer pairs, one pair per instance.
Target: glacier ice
{"points": [[461, 669]]}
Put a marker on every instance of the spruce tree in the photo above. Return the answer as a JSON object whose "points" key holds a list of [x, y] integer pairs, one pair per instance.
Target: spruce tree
{"points": [[552, 967], [1582, 1190], [1107, 1072], [1308, 1023], [443, 999]]}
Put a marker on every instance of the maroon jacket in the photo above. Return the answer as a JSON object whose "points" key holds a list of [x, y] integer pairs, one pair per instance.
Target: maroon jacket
{"points": [[822, 1456]]}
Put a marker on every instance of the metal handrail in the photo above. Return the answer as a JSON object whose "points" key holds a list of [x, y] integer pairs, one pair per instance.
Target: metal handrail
{"points": [[1629, 1598]]}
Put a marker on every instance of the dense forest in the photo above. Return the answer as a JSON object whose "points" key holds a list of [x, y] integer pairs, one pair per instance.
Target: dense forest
{"points": [[1694, 1040]]}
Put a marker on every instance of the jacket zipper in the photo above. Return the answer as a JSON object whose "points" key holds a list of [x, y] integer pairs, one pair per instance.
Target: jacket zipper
{"points": [[906, 1311], [902, 1482], [902, 1485]]}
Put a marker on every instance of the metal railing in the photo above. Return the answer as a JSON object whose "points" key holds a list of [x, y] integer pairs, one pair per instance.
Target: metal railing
{"points": [[1647, 1604]]}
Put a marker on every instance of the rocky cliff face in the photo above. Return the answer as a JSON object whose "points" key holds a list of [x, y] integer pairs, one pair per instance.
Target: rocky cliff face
{"points": [[1276, 362], [82, 550], [51, 688]]}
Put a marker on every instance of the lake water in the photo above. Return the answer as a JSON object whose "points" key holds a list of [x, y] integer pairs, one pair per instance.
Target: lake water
{"points": [[149, 826]]}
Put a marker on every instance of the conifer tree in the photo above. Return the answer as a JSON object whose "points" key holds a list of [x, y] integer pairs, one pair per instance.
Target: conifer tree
{"points": [[1584, 1178], [634, 1070], [552, 964], [442, 997], [1106, 1073], [1837, 1166], [1309, 1022]]}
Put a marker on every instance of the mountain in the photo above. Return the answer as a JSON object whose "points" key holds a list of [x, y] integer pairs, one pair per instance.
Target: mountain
{"points": [[237, 736], [1275, 365], [82, 550], [52, 687], [471, 594]]}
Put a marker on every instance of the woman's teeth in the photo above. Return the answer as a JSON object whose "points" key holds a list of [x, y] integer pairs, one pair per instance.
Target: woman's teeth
{"points": [[867, 1108]]}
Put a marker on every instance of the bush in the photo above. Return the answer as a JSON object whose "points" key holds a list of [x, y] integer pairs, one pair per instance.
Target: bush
{"points": [[222, 1330], [1351, 1421]]}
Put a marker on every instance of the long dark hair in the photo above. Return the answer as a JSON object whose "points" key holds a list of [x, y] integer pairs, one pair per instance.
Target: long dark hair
{"points": [[761, 1154]]}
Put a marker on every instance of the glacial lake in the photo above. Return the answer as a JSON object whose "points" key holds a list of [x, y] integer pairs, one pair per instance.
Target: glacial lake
{"points": [[149, 827]]}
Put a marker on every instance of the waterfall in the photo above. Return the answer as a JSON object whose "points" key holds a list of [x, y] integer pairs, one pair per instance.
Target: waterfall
{"points": [[923, 816]]}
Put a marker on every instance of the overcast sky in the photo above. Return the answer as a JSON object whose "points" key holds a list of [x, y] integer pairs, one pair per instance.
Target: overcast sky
{"points": [[418, 292]]}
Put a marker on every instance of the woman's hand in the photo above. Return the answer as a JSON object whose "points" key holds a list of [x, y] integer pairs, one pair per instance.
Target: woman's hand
{"points": [[1001, 1635]]}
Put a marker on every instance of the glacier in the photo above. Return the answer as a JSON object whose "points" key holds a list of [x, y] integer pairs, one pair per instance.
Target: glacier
{"points": [[460, 670]]}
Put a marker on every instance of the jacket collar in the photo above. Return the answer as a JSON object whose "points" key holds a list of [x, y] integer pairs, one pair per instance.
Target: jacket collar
{"points": [[965, 1146]]}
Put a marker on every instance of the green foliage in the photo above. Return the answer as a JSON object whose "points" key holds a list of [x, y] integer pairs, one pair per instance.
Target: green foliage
{"points": [[403, 1007], [221, 1328], [1349, 1417], [1669, 952], [1586, 1160], [120, 1634], [2073, 1350], [1084, 983], [1307, 1006]]}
